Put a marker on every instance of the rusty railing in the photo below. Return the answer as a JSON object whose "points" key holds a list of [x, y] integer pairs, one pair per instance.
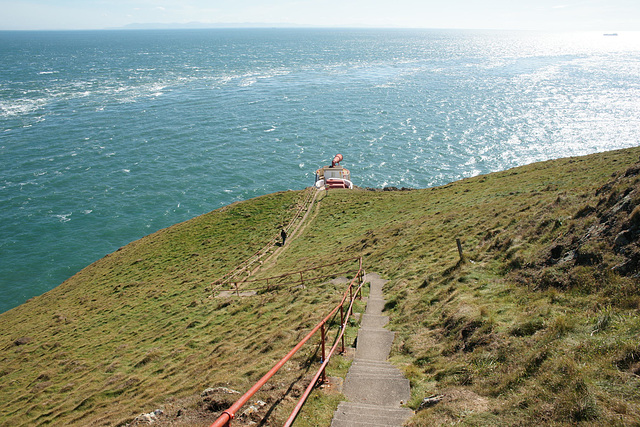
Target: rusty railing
{"points": [[224, 420], [325, 360]]}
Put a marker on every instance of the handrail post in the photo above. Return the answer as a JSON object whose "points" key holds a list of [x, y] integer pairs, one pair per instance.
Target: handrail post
{"points": [[225, 419], [322, 337], [361, 274], [301, 280], [342, 325]]}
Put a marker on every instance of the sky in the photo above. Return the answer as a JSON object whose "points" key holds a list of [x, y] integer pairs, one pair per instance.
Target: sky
{"points": [[570, 15]]}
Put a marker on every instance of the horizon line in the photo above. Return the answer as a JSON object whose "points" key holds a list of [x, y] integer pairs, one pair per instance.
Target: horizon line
{"points": [[195, 25]]}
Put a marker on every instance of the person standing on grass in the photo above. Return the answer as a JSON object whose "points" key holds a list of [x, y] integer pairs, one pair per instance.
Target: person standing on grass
{"points": [[283, 234]]}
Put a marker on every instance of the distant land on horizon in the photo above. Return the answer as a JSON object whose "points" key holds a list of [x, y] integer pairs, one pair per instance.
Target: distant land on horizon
{"points": [[204, 25]]}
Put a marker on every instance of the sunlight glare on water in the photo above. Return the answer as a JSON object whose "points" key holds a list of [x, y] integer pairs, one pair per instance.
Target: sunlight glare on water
{"points": [[108, 136]]}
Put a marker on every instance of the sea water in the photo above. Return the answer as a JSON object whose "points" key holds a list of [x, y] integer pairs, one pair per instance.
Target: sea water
{"points": [[107, 136]]}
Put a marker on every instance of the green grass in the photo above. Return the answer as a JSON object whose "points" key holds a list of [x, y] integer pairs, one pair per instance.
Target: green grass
{"points": [[539, 325]]}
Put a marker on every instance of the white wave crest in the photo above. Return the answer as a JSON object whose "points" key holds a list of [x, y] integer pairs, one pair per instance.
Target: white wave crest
{"points": [[63, 217], [22, 106]]}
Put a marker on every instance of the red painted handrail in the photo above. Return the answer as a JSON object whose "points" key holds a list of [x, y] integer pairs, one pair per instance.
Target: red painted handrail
{"points": [[229, 414], [314, 381]]}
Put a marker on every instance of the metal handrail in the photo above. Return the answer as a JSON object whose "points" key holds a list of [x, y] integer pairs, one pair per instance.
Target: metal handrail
{"points": [[299, 272], [271, 286], [303, 271], [226, 417], [261, 252], [321, 370]]}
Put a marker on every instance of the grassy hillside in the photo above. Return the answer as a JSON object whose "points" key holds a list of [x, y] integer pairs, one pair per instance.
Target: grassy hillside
{"points": [[539, 325], [138, 327]]}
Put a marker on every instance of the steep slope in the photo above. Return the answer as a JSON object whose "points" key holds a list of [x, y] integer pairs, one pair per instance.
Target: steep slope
{"points": [[138, 327], [540, 324]]}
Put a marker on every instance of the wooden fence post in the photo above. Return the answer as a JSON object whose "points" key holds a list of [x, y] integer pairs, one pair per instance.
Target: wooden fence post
{"points": [[460, 250]]}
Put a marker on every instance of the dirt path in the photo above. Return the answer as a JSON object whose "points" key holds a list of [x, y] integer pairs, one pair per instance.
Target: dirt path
{"points": [[297, 231], [250, 266]]}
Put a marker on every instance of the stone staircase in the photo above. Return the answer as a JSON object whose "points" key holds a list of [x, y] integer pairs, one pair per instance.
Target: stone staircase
{"points": [[375, 388]]}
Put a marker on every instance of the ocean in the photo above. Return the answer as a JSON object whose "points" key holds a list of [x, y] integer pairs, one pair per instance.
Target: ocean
{"points": [[107, 136]]}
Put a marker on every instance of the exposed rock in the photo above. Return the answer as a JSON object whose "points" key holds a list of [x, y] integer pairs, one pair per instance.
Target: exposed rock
{"points": [[585, 211], [22, 341], [219, 398], [339, 281], [633, 170], [631, 265], [149, 418], [623, 238], [388, 189], [396, 189], [428, 402], [252, 409], [613, 224], [216, 390]]}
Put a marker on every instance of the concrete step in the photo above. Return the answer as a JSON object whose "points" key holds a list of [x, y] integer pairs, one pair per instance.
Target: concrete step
{"points": [[350, 423], [364, 409], [383, 378], [375, 373], [375, 306], [375, 370], [374, 344], [338, 422], [373, 364], [373, 367], [376, 294], [375, 390], [374, 321], [355, 414], [374, 277]]}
